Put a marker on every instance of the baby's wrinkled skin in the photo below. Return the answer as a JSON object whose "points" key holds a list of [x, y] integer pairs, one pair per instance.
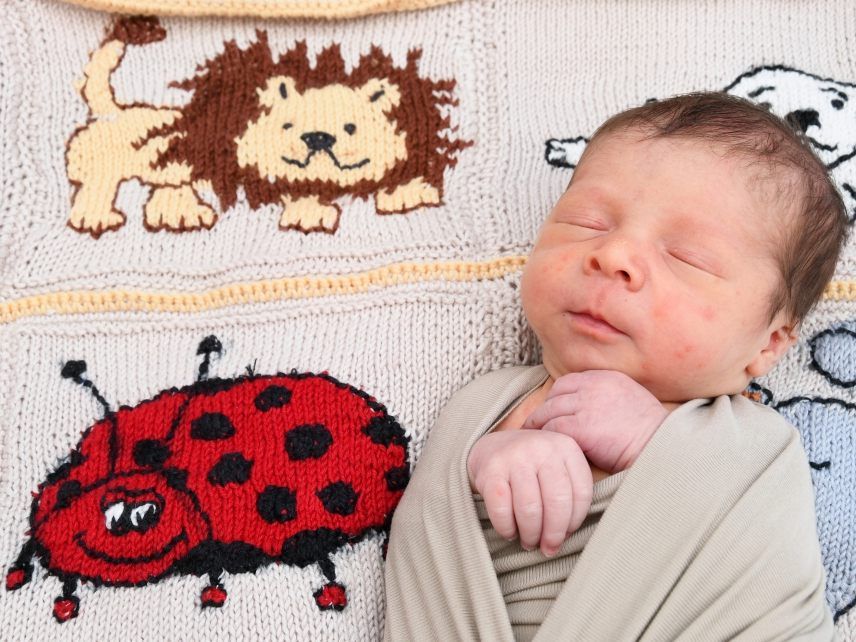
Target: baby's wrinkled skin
{"points": [[649, 285]]}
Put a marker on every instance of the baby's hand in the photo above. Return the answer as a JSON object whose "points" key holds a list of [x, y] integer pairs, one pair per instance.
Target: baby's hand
{"points": [[606, 412], [534, 483]]}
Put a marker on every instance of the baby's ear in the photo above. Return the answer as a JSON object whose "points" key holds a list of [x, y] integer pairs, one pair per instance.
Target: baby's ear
{"points": [[781, 338]]}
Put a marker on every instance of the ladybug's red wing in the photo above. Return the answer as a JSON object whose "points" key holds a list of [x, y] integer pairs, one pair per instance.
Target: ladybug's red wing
{"points": [[287, 454]]}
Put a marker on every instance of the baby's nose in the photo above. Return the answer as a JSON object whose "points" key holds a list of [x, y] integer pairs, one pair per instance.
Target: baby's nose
{"points": [[617, 260]]}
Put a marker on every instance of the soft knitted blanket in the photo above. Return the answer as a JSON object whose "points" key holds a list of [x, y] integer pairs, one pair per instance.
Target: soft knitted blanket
{"points": [[710, 535], [250, 248]]}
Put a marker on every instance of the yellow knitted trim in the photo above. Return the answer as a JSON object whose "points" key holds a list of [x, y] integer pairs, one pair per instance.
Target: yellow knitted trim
{"points": [[86, 301], [258, 8], [840, 291]]}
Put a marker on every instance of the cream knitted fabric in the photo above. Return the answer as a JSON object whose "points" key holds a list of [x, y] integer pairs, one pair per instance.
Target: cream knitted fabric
{"points": [[348, 198]]}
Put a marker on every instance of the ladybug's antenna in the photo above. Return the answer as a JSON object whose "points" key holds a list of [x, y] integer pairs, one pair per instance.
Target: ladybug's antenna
{"points": [[73, 370], [251, 369], [208, 345]]}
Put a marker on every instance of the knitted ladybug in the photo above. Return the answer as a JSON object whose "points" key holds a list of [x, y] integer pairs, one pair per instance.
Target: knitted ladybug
{"points": [[221, 475]]}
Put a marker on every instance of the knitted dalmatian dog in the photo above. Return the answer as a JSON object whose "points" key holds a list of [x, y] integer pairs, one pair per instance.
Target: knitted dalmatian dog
{"points": [[822, 108]]}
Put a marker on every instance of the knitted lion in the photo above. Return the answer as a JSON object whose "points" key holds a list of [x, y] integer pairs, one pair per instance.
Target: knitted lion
{"points": [[283, 131]]}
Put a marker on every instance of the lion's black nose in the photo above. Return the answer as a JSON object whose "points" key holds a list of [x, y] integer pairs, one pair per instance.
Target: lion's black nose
{"points": [[802, 119], [318, 141]]}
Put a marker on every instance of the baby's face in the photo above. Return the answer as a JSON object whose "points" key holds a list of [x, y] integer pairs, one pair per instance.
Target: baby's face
{"points": [[671, 247]]}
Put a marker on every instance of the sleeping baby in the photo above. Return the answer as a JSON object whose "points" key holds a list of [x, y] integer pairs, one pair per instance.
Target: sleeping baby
{"points": [[624, 489]]}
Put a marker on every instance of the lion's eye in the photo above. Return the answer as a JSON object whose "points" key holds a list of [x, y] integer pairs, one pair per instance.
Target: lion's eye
{"points": [[287, 126], [350, 128], [838, 104]]}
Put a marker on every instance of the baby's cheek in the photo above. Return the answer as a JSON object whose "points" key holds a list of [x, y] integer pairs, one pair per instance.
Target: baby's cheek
{"points": [[683, 333]]}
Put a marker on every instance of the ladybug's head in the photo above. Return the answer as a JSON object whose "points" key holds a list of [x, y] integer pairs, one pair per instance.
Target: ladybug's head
{"points": [[126, 529]]}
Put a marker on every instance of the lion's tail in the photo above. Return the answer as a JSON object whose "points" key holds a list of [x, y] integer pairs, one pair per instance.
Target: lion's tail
{"points": [[95, 86]]}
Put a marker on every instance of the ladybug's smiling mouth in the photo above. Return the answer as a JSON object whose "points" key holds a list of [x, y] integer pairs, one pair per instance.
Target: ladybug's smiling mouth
{"points": [[99, 555]]}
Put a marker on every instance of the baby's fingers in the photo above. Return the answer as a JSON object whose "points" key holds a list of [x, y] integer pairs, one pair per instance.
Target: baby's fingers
{"points": [[526, 499], [557, 500], [496, 493], [550, 409], [582, 485]]}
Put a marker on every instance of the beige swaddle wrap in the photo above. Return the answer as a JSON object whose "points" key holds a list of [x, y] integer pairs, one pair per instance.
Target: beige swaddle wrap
{"points": [[710, 536]]}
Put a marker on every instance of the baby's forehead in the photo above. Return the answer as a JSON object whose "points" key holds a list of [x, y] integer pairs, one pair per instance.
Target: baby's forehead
{"points": [[771, 182]]}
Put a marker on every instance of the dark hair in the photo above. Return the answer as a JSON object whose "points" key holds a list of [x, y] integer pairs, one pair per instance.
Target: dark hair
{"points": [[812, 240]]}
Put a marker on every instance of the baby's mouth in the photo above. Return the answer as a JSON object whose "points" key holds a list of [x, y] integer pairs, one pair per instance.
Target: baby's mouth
{"points": [[593, 322]]}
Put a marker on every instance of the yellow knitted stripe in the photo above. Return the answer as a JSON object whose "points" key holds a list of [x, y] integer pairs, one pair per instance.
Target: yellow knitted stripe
{"points": [[258, 8], [840, 291], [86, 301]]}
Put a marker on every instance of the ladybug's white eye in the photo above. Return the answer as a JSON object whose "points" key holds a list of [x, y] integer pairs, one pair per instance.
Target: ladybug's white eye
{"points": [[113, 515], [144, 515]]}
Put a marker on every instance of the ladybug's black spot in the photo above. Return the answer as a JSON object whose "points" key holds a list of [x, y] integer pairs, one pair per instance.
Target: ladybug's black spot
{"points": [[272, 397], [385, 430], [176, 478], [151, 453], [211, 426], [309, 441], [277, 504], [68, 492], [307, 547], [339, 498], [397, 478], [231, 468]]}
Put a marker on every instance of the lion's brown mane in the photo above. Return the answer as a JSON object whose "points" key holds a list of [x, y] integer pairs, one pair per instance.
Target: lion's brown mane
{"points": [[224, 101]]}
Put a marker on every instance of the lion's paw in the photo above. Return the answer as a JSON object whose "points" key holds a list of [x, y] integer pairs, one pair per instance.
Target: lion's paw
{"points": [[177, 209], [95, 225], [406, 197], [309, 215]]}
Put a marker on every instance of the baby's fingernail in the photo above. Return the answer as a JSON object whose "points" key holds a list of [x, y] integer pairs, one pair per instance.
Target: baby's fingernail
{"points": [[527, 548], [549, 552]]}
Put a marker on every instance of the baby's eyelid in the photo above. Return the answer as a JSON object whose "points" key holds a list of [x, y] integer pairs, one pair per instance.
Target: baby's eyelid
{"points": [[690, 259], [590, 223]]}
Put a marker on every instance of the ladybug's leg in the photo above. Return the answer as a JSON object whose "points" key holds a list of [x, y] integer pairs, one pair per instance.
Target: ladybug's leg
{"points": [[22, 570], [66, 605], [332, 594], [214, 595]]}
